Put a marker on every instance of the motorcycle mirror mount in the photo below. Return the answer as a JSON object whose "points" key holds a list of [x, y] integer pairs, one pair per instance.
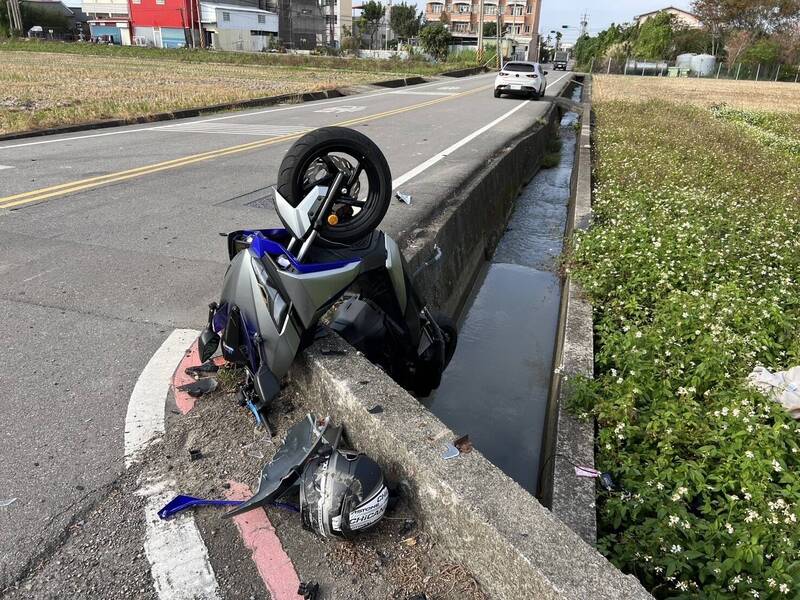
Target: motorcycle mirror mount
{"points": [[208, 342]]}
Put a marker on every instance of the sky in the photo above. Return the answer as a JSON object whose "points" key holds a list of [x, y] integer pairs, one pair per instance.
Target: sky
{"points": [[602, 13]]}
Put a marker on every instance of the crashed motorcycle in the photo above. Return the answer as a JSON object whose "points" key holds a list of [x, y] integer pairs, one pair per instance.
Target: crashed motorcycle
{"points": [[334, 188]]}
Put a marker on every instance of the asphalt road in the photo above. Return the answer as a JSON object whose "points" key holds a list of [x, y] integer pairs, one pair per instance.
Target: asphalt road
{"points": [[109, 240]]}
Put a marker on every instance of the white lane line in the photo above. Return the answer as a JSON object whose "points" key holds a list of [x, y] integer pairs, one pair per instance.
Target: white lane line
{"points": [[145, 418], [178, 557], [235, 128], [5, 167], [237, 115], [447, 151]]}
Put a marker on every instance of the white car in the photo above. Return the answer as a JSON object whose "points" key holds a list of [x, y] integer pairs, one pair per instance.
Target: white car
{"points": [[524, 78]]}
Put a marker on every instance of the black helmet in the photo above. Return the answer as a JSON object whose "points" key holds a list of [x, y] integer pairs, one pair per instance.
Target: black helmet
{"points": [[342, 493]]}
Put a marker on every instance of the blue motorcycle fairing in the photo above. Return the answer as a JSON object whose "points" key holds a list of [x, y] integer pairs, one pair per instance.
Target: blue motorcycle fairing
{"points": [[272, 242]]}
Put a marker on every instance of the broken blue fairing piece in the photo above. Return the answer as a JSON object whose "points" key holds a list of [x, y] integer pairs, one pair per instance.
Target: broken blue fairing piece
{"points": [[180, 503]]}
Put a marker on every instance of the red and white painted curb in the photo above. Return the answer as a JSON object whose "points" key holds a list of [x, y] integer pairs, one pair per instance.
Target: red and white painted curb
{"points": [[179, 562]]}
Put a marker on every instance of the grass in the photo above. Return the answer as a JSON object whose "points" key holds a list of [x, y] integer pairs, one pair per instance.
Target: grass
{"points": [[693, 267], [761, 96], [45, 84]]}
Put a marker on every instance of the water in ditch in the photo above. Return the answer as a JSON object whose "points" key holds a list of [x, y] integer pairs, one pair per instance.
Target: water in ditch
{"points": [[497, 385]]}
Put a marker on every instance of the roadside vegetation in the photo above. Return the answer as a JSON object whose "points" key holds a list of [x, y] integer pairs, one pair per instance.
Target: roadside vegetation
{"points": [[46, 84], [693, 266], [759, 37]]}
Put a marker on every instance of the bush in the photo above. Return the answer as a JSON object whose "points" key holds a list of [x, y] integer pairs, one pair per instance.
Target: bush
{"points": [[693, 265], [435, 39]]}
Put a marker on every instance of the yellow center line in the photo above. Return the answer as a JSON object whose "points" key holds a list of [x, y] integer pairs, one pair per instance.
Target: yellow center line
{"points": [[93, 182]]}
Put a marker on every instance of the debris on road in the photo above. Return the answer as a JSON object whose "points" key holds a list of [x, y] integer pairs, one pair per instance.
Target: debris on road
{"points": [[375, 410], [181, 503], [199, 388], [8, 502], [403, 197], [198, 371], [308, 590], [195, 454]]}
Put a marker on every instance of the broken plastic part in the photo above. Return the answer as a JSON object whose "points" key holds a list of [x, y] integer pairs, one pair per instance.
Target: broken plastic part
{"points": [[282, 472], [403, 197], [180, 503], [200, 387], [450, 451], [8, 502], [195, 454], [308, 590], [375, 410], [198, 370]]}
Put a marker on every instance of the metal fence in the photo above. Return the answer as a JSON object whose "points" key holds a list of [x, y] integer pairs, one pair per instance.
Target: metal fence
{"points": [[734, 71]]}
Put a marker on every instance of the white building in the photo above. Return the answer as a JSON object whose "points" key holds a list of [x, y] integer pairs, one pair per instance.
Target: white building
{"points": [[683, 17], [237, 28], [338, 20]]}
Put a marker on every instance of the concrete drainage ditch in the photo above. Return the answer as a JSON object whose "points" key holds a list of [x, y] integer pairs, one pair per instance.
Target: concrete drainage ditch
{"points": [[476, 514]]}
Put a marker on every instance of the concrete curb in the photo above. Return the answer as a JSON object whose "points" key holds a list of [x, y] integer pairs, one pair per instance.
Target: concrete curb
{"points": [[203, 110], [475, 513], [464, 72], [572, 498]]}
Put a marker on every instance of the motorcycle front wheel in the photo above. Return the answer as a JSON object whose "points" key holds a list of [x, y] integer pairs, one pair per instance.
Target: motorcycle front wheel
{"points": [[364, 197]]}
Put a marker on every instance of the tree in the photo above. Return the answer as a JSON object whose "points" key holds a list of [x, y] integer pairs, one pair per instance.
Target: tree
{"points": [[757, 16], [349, 42], [655, 37], [765, 52], [405, 21], [737, 44], [435, 40], [490, 29], [371, 15]]}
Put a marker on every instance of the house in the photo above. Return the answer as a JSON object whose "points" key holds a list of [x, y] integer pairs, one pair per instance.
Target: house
{"points": [[338, 21], [237, 28], [302, 24], [109, 17], [71, 20], [683, 17], [165, 23], [518, 19]]}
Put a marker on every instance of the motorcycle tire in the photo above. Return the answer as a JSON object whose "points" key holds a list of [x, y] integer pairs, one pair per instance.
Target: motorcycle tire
{"points": [[341, 140]]}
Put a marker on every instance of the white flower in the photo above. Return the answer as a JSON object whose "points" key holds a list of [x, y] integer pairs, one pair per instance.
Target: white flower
{"points": [[673, 520], [749, 454], [638, 334], [784, 588], [777, 466], [676, 548], [729, 527]]}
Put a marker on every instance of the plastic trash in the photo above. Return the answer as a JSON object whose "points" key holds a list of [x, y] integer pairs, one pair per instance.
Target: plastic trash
{"points": [[8, 502], [403, 197], [782, 387], [450, 451]]}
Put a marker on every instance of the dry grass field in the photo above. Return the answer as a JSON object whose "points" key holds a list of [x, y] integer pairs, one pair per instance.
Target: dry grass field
{"points": [[764, 96], [47, 89]]}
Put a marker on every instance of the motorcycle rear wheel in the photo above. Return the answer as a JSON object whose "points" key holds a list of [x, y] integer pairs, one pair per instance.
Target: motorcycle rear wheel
{"points": [[316, 158]]}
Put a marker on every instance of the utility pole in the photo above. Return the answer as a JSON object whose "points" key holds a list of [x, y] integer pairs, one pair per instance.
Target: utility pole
{"points": [[14, 17], [584, 25], [499, 54], [480, 32]]}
